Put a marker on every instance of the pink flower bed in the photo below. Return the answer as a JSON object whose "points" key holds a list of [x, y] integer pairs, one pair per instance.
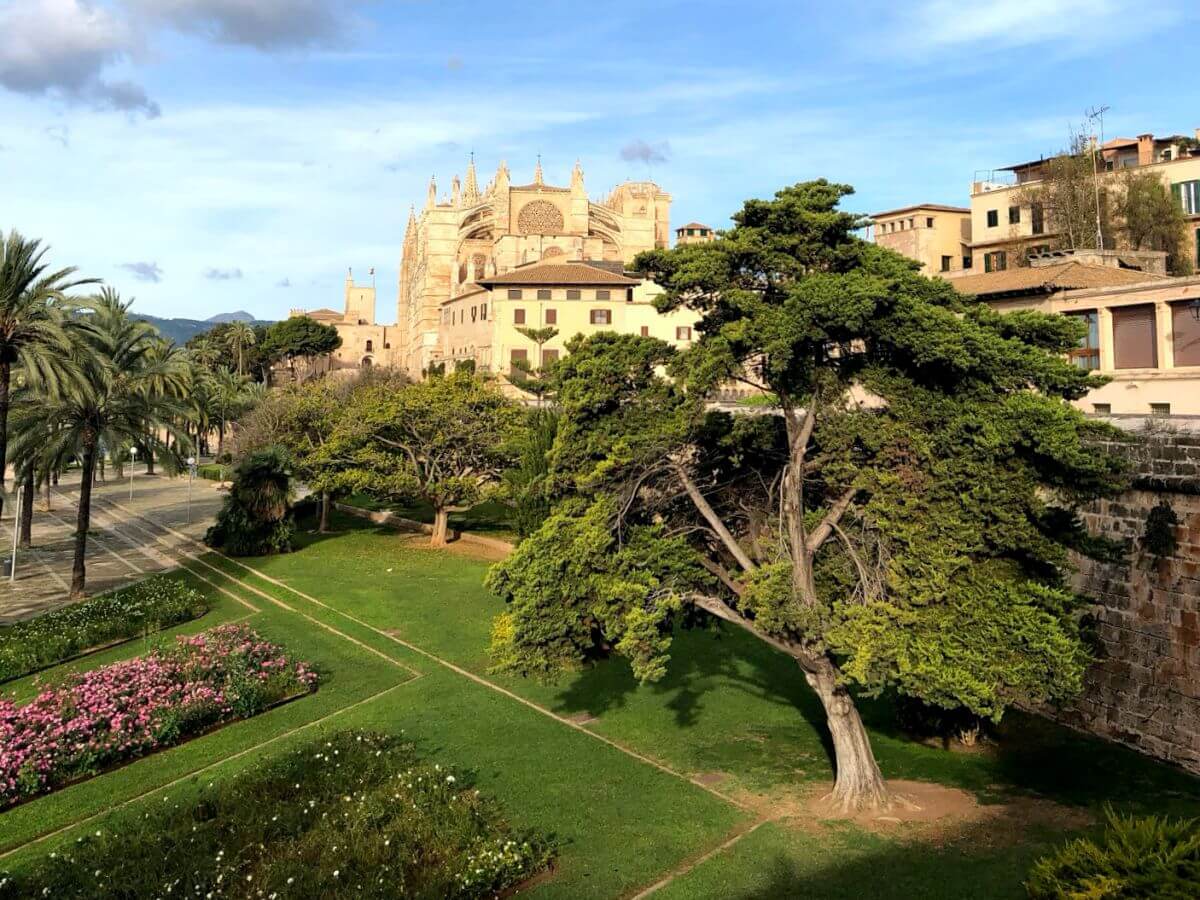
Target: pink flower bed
{"points": [[120, 712]]}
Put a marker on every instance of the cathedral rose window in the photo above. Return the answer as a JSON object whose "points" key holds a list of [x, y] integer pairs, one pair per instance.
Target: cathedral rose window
{"points": [[540, 217]]}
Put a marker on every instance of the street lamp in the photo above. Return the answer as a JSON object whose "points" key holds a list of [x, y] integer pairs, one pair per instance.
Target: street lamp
{"points": [[1194, 306], [191, 462], [132, 460]]}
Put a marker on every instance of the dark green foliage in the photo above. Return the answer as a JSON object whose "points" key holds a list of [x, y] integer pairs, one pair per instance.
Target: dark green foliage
{"points": [[1159, 539], [256, 518], [1136, 857], [526, 482], [348, 815], [150, 605], [299, 336], [924, 720]]}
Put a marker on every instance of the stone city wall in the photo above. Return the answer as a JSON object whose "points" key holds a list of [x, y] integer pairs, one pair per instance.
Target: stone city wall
{"points": [[1144, 691]]}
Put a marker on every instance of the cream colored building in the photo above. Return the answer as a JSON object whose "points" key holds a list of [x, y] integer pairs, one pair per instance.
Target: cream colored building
{"points": [[1005, 225], [475, 234], [364, 343], [694, 233], [938, 237], [1143, 331], [486, 324]]}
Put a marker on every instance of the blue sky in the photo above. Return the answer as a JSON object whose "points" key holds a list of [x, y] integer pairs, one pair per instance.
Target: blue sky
{"points": [[213, 155]]}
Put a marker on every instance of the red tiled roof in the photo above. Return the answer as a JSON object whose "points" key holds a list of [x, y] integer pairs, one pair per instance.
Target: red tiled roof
{"points": [[559, 274], [1048, 279]]}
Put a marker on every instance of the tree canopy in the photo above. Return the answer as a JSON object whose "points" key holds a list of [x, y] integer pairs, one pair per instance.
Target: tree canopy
{"points": [[900, 520]]}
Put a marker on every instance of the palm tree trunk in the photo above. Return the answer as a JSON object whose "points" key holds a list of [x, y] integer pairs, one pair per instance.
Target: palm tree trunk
{"points": [[26, 539], [5, 384], [48, 494], [150, 455], [83, 520]]}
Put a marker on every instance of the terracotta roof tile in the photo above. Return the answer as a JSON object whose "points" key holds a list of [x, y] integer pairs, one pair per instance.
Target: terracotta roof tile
{"points": [[559, 273], [1048, 279]]}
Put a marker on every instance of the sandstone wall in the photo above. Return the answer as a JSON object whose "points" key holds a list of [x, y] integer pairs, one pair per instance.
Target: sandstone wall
{"points": [[1145, 689]]}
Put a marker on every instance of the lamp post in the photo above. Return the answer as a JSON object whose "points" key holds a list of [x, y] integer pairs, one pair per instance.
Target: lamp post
{"points": [[191, 462], [132, 460], [12, 574]]}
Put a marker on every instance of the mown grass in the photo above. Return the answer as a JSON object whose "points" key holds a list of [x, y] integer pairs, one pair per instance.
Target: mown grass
{"points": [[728, 705]]}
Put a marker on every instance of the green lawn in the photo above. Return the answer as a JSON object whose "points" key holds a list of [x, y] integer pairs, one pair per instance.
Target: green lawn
{"points": [[729, 706], [491, 517]]}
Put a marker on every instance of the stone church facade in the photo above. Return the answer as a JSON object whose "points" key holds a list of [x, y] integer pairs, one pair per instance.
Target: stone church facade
{"points": [[476, 234]]}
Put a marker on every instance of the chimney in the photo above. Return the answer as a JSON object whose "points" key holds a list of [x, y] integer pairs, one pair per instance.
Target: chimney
{"points": [[1145, 149]]}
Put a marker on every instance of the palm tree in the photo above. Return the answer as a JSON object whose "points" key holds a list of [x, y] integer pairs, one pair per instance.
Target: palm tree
{"points": [[229, 400], [123, 393], [239, 336], [30, 328]]}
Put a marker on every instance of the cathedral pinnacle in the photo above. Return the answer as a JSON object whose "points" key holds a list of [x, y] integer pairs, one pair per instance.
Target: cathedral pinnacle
{"points": [[431, 198], [471, 189], [577, 177], [537, 172], [455, 192]]}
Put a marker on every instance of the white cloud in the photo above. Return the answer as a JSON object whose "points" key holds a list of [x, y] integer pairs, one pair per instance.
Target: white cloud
{"points": [[213, 274], [1016, 23], [263, 24], [144, 271], [63, 48]]}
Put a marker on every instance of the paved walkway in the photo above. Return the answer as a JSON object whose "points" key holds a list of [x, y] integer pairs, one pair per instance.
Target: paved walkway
{"points": [[115, 556]]}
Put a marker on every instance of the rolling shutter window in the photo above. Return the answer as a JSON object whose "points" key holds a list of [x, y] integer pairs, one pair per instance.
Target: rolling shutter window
{"points": [[1134, 338], [1186, 328]]}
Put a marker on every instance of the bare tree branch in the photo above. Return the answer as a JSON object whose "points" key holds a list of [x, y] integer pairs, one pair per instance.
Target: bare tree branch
{"points": [[713, 519], [821, 533]]}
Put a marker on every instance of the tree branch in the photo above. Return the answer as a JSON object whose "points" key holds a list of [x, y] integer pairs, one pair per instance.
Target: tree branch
{"points": [[821, 533], [723, 574], [714, 606], [711, 517]]}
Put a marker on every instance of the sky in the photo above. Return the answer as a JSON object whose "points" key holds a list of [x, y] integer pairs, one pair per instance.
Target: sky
{"points": [[206, 156]]}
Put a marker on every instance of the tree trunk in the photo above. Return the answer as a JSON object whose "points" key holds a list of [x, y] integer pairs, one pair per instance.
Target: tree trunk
{"points": [[221, 439], [858, 783], [83, 520], [26, 539], [323, 527], [48, 494], [150, 456], [441, 524]]}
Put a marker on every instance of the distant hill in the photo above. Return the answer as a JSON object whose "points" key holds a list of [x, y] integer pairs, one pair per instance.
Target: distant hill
{"points": [[182, 330], [240, 316]]}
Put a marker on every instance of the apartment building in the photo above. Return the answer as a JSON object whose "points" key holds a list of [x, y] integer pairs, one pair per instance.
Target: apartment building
{"points": [[937, 236], [490, 324], [1005, 225], [1143, 330]]}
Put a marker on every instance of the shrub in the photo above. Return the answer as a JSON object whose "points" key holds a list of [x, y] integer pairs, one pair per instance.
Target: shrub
{"points": [[150, 605], [351, 815], [256, 519], [1136, 857], [526, 482], [119, 712]]}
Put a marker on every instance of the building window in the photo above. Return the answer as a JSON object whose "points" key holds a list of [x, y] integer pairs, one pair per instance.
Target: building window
{"points": [[645, 331], [1037, 218], [1187, 195], [1102, 409], [1087, 355], [552, 317], [967, 261], [370, 346], [1160, 409], [543, 294], [1186, 330], [993, 218], [514, 293], [574, 293], [946, 262], [515, 357], [929, 222], [1135, 339], [518, 317], [1014, 215], [683, 333], [483, 311], [602, 295], [549, 357], [996, 261], [601, 317]]}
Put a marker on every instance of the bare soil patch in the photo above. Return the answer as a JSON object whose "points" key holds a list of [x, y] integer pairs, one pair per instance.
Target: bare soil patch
{"points": [[458, 548]]}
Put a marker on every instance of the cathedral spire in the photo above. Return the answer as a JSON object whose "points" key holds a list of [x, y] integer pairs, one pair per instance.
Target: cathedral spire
{"points": [[502, 176], [537, 172], [455, 192], [471, 188], [577, 177], [431, 197]]}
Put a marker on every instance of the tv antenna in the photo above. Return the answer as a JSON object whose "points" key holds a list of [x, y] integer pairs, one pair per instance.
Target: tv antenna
{"points": [[1096, 114]]}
